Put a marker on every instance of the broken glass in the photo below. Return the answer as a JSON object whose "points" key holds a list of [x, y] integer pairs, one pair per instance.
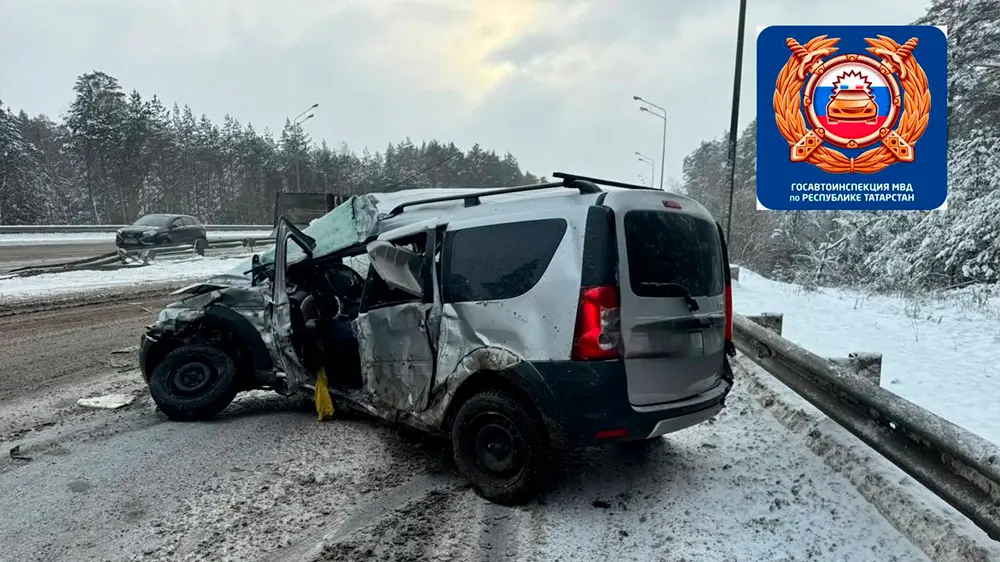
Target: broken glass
{"points": [[351, 223]]}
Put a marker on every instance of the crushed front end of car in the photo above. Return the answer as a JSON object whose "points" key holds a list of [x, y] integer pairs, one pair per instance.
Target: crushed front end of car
{"points": [[229, 315], [235, 332]]}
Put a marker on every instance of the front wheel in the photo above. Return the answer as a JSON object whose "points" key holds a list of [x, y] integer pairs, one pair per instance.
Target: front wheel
{"points": [[499, 447], [193, 382]]}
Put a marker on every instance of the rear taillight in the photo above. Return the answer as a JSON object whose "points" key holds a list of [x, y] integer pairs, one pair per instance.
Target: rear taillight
{"points": [[598, 325], [729, 312]]}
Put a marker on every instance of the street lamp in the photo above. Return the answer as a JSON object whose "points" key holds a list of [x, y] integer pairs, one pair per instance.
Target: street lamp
{"points": [[652, 165], [295, 123], [735, 120], [662, 114]]}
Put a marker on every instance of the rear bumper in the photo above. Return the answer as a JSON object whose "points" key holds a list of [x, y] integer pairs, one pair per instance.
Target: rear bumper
{"points": [[585, 403]]}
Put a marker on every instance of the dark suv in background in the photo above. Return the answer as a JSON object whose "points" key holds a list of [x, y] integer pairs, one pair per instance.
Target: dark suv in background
{"points": [[161, 230]]}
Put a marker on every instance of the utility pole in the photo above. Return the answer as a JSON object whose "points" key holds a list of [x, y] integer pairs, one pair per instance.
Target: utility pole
{"points": [[735, 120], [657, 111]]}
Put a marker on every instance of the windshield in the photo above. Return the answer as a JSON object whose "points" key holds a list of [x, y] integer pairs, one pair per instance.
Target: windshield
{"points": [[349, 224], [153, 220]]}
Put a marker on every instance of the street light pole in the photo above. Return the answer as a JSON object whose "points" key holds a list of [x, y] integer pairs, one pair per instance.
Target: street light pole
{"points": [[296, 123], [652, 166], [735, 120], [662, 114]]}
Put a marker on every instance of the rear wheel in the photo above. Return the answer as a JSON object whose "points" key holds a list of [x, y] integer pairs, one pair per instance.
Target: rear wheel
{"points": [[499, 447], [193, 382]]}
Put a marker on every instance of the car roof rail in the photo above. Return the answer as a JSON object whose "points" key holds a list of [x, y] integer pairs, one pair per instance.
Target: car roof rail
{"points": [[573, 178], [473, 199]]}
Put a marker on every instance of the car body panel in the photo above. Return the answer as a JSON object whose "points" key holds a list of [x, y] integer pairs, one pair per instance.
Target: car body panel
{"points": [[672, 350], [162, 229]]}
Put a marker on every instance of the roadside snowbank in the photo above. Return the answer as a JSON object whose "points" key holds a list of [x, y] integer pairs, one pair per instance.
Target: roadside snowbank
{"points": [[941, 355], [60, 239], [193, 268]]}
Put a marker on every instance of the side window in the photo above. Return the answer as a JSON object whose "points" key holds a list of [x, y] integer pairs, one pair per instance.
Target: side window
{"points": [[497, 262]]}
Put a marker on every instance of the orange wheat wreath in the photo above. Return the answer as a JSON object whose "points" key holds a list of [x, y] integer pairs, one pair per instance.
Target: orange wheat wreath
{"points": [[916, 103]]}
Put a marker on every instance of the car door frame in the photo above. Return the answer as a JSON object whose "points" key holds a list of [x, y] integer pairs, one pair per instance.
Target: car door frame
{"points": [[398, 342], [279, 312], [190, 230], [175, 230]]}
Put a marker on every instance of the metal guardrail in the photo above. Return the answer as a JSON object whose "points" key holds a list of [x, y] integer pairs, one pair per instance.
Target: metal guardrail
{"points": [[960, 467], [100, 228], [121, 258]]}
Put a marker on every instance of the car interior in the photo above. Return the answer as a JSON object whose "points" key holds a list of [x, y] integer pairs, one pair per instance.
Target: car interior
{"points": [[327, 294]]}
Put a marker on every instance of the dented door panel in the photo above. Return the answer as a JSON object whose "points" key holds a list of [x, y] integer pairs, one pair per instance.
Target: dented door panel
{"points": [[397, 362]]}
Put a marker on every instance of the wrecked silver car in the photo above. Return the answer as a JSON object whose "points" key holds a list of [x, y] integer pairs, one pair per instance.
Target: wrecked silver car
{"points": [[511, 320]]}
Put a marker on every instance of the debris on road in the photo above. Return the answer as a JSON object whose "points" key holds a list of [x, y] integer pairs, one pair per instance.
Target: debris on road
{"points": [[130, 349], [16, 454], [108, 402]]}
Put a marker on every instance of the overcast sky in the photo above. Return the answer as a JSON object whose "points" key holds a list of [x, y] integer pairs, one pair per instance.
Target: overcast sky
{"points": [[549, 80]]}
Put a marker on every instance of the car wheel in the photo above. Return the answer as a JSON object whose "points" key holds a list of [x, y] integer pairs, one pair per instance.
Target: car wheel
{"points": [[199, 246], [193, 382], [499, 447]]}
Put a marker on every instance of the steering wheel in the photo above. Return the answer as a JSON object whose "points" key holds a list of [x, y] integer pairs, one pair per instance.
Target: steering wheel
{"points": [[345, 283]]}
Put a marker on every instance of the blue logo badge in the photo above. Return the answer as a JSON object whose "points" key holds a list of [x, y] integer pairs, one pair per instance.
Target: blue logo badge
{"points": [[852, 118]]}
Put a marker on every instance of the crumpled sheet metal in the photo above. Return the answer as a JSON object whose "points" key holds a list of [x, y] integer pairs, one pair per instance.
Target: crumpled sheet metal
{"points": [[397, 362], [462, 352]]}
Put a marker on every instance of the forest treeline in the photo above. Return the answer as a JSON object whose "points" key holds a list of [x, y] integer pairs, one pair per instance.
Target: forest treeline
{"points": [[116, 156]]}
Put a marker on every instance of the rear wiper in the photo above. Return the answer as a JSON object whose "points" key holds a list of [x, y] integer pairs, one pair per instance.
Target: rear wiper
{"points": [[685, 294]]}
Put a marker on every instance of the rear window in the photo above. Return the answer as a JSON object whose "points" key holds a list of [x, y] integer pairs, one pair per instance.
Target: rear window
{"points": [[500, 261], [153, 220], [667, 248]]}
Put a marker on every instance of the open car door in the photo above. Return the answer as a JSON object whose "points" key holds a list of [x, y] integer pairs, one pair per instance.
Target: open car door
{"points": [[396, 331], [280, 312]]}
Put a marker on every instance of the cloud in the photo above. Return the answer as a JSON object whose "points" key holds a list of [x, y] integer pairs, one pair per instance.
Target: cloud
{"points": [[549, 80]]}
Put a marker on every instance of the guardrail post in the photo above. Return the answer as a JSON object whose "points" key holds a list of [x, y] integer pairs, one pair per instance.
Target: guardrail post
{"points": [[734, 272], [866, 365], [771, 320]]}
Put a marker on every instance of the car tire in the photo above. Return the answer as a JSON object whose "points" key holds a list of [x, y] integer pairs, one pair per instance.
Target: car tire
{"points": [[199, 246], [194, 382], [499, 447]]}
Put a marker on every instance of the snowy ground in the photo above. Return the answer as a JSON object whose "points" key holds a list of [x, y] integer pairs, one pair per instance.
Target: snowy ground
{"points": [[943, 355], [193, 268], [50, 239], [277, 485]]}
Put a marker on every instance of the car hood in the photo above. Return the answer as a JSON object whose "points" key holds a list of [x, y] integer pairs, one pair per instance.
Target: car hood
{"points": [[139, 229]]}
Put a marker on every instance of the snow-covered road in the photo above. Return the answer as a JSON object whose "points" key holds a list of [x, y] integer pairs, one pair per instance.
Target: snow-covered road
{"points": [[943, 355], [266, 480]]}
